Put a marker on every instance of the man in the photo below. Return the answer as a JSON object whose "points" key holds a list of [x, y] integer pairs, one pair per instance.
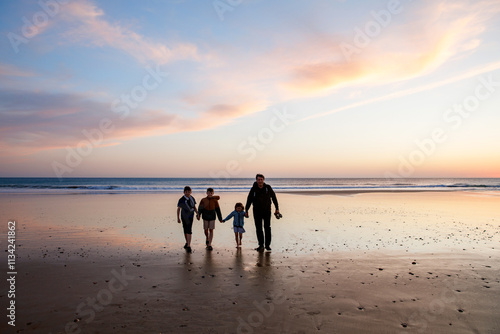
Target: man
{"points": [[261, 196]]}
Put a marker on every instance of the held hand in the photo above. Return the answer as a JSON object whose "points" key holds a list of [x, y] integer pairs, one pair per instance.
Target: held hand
{"points": [[276, 212], [246, 214], [222, 221]]}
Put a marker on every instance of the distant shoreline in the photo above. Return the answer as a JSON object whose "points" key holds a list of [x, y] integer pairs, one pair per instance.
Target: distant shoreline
{"points": [[355, 192]]}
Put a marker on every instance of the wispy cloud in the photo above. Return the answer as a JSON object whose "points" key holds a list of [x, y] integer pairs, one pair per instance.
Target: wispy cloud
{"points": [[469, 74], [86, 23], [221, 114], [230, 84], [7, 70], [33, 122], [438, 32]]}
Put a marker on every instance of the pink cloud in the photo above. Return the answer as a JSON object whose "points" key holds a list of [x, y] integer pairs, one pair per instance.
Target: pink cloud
{"points": [[229, 86], [87, 24], [7, 70], [222, 114], [438, 32], [55, 121]]}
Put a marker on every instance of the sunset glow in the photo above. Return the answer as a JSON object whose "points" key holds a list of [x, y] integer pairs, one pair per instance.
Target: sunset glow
{"points": [[288, 88]]}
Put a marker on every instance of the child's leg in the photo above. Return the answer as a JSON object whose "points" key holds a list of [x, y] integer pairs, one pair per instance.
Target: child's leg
{"points": [[187, 227], [236, 238], [241, 236], [211, 237]]}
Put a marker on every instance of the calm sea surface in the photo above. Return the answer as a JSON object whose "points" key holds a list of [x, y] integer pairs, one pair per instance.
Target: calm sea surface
{"points": [[158, 185]]}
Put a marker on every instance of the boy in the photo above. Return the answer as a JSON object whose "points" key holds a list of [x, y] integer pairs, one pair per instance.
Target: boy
{"points": [[208, 209], [187, 207]]}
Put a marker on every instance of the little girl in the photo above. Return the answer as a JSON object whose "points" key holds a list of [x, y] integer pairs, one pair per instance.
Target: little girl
{"points": [[238, 222]]}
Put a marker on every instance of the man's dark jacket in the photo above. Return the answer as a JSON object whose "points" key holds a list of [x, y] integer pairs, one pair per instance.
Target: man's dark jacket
{"points": [[261, 198]]}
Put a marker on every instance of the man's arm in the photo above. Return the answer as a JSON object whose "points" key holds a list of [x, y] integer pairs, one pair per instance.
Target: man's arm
{"points": [[274, 199], [249, 200], [178, 218]]}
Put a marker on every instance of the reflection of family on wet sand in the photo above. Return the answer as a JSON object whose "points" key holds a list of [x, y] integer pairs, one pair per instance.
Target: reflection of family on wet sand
{"points": [[260, 196]]}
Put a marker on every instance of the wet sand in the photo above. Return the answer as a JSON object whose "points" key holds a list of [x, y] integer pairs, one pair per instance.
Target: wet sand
{"points": [[371, 262]]}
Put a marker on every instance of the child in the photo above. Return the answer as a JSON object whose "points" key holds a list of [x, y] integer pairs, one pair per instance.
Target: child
{"points": [[239, 215], [208, 209], [186, 207]]}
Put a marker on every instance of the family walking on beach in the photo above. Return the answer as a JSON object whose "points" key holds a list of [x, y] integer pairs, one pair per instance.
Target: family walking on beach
{"points": [[260, 195]]}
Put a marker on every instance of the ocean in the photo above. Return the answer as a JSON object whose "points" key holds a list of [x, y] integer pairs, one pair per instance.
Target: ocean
{"points": [[176, 185]]}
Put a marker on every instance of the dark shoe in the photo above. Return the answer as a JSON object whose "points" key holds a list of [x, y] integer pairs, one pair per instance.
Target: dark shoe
{"points": [[185, 245], [259, 249], [268, 248], [188, 249], [209, 248]]}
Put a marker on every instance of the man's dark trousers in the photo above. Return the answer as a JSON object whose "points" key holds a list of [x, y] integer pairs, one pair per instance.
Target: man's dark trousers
{"points": [[265, 216]]}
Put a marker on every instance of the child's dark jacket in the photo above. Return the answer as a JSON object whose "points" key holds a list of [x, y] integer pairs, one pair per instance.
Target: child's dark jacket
{"points": [[209, 208]]}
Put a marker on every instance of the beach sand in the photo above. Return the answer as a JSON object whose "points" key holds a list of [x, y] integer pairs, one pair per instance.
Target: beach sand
{"points": [[398, 262]]}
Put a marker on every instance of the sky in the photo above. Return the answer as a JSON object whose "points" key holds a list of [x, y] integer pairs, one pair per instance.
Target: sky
{"points": [[231, 88]]}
